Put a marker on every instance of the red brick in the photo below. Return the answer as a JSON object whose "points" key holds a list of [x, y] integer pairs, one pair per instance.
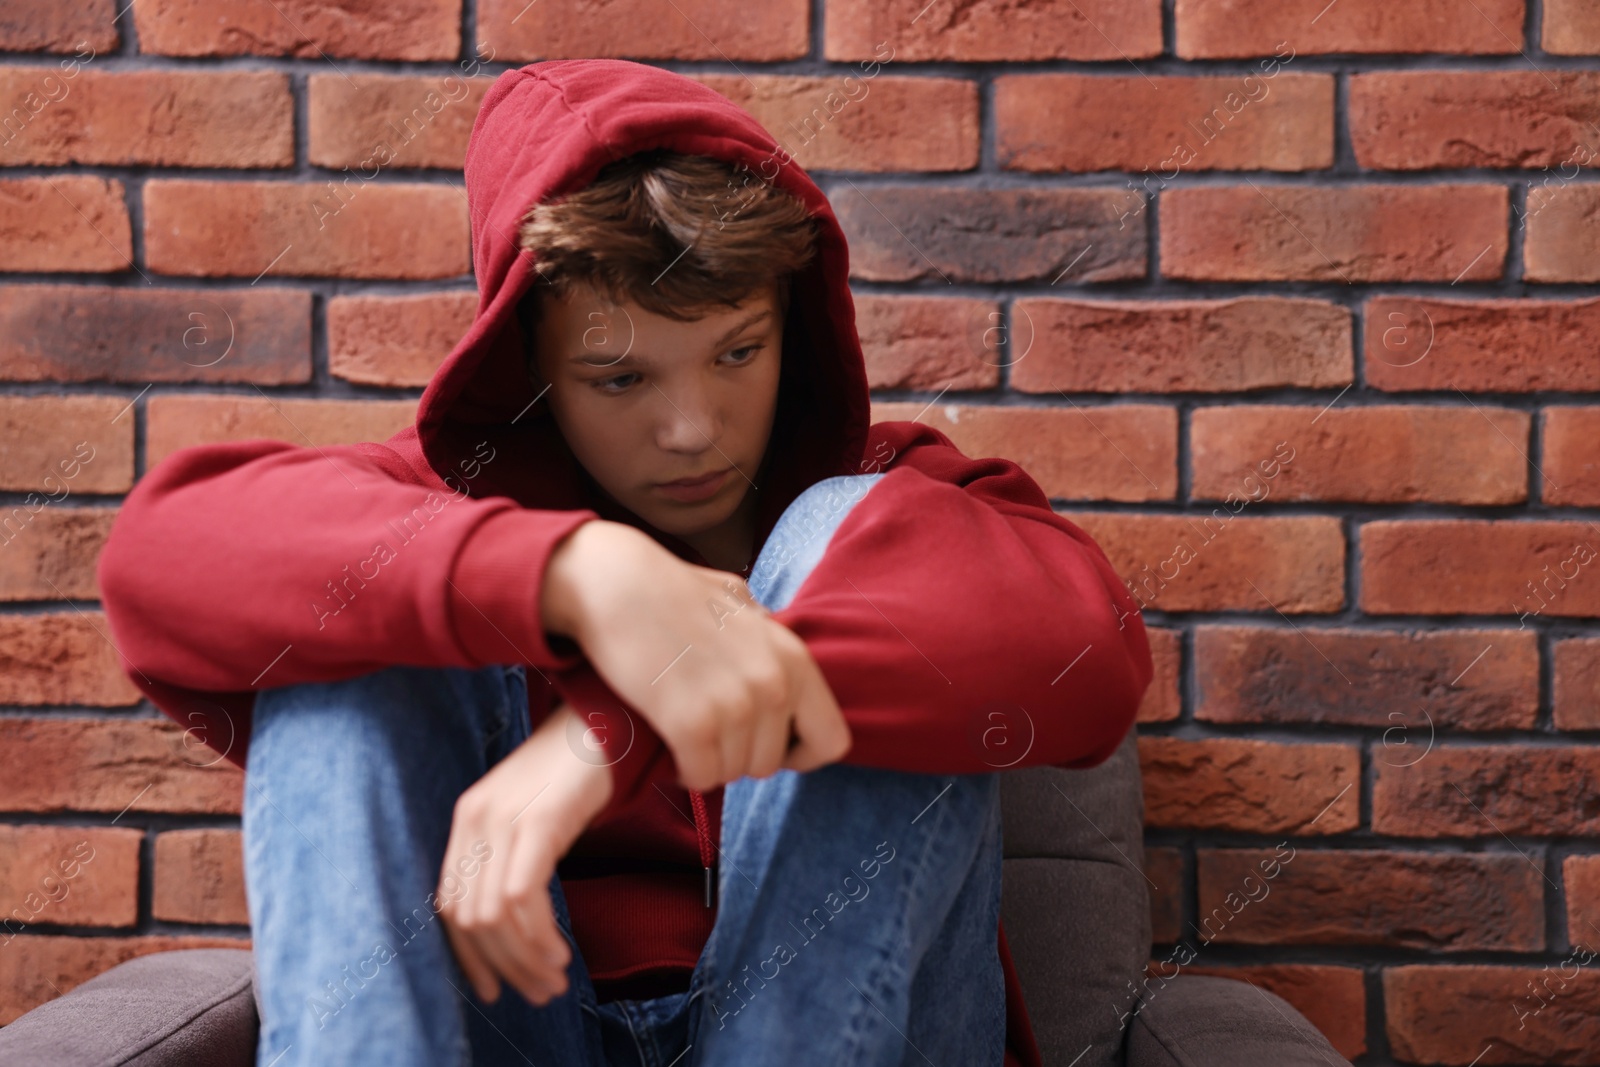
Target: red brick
{"points": [[367, 121], [200, 878], [1453, 679], [1350, 234], [180, 420], [930, 342], [1257, 787], [909, 30], [349, 229], [1577, 683], [1369, 897], [84, 27], [1396, 453], [50, 553], [77, 333], [1333, 999], [1183, 345], [34, 970], [68, 876], [1562, 245], [516, 30], [1481, 345], [1214, 29], [66, 222], [311, 29], [112, 765], [1223, 562], [1482, 1014], [1571, 464], [164, 118], [1115, 452], [1476, 567], [1483, 791], [1581, 877], [1082, 122], [58, 445], [906, 233], [396, 340], [1425, 119], [59, 658], [851, 122], [1164, 867], [1163, 701], [1571, 28]]}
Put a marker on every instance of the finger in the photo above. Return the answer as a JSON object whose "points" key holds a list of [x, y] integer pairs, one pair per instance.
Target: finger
{"points": [[770, 744], [485, 918], [485, 983], [498, 944], [735, 734], [696, 752], [528, 893], [492, 930], [822, 734]]}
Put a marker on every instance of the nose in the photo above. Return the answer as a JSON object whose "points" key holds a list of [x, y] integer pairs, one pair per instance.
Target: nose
{"points": [[689, 421]]}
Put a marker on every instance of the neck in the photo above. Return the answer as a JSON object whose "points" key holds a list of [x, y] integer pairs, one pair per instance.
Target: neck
{"points": [[729, 546]]}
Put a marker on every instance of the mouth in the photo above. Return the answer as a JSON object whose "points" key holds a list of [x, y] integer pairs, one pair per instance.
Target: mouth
{"points": [[697, 488]]}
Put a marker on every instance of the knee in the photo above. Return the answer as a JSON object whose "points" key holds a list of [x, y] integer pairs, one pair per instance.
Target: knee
{"points": [[401, 701], [801, 535]]}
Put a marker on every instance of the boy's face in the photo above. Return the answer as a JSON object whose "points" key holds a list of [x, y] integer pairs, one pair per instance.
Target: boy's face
{"points": [[643, 400]]}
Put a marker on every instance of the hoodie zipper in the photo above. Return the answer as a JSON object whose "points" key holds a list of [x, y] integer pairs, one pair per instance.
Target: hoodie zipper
{"points": [[702, 830]]}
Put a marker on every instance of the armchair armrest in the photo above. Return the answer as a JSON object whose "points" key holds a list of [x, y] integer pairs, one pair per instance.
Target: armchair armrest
{"points": [[1205, 1021], [166, 1008]]}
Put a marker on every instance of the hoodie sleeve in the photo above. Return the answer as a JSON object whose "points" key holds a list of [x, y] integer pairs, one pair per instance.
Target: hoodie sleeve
{"points": [[255, 564], [962, 625]]}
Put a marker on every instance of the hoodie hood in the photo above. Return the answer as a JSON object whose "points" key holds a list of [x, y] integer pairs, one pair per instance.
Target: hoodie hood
{"points": [[545, 130]]}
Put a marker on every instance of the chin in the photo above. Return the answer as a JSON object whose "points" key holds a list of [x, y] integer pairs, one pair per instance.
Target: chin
{"points": [[689, 519]]}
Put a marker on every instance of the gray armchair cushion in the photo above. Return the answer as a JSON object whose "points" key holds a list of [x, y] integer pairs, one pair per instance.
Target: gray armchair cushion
{"points": [[1203, 1021], [189, 1006], [1075, 903]]}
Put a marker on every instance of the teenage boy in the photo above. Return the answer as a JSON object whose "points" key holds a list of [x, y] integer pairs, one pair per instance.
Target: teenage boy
{"points": [[745, 809]]}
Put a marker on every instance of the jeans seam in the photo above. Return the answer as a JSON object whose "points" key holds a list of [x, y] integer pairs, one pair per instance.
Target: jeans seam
{"points": [[506, 709], [633, 1032]]}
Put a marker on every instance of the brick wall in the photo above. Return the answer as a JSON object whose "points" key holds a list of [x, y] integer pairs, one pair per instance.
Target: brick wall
{"points": [[1293, 305]]}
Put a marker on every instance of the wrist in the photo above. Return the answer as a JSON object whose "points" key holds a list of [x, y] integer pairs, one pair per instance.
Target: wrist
{"points": [[590, 779], [589, 554]]}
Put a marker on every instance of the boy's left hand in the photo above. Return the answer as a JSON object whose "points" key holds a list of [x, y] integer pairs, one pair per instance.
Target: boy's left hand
{"points": [[509, 829]]}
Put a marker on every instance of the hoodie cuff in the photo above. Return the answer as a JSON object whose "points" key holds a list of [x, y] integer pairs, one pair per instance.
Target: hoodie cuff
{"points": [[496, 586], [615, 735]]}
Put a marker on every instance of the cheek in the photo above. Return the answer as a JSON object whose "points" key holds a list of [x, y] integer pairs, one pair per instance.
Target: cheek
{"points": [[607, 438]]}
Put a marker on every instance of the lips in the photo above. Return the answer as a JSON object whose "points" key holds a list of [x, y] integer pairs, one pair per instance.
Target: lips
{"points": [[695, 490], [694, 483]]}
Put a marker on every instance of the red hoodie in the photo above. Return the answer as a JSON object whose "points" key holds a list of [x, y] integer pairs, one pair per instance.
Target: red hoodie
{"points": [[951, 593]]}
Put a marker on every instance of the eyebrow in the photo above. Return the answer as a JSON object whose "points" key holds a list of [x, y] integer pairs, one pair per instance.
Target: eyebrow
{"points": [[592, 360]]}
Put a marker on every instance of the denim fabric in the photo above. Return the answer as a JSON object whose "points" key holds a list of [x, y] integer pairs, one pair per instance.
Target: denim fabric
{"points": [[857, 907]]}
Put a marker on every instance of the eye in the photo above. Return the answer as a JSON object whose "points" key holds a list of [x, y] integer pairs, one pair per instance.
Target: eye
{"points": [[751, 349], [614, 385]]}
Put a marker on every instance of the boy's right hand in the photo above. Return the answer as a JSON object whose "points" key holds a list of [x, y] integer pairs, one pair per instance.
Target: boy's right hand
{"points": [[724, 684]]}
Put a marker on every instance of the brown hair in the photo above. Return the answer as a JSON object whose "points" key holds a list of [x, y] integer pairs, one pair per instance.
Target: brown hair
{"points": [[674, 233]]}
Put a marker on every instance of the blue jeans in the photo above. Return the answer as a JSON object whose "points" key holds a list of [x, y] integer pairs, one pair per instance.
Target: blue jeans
{"points": [[857, 907]]}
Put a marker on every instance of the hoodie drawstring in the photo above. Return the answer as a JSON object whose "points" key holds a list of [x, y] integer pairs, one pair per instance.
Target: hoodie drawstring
{"points": [[702, 830]]}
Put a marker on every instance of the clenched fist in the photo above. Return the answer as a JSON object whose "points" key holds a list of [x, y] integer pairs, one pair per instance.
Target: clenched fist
{"points": [[729, 689]]}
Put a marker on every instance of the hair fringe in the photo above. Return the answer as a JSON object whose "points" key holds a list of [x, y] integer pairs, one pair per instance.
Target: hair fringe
{"points": [[676, 234]]}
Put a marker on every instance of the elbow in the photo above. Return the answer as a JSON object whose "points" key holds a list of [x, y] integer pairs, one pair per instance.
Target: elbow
{"points": [[1098, 712], [128, 575]]}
